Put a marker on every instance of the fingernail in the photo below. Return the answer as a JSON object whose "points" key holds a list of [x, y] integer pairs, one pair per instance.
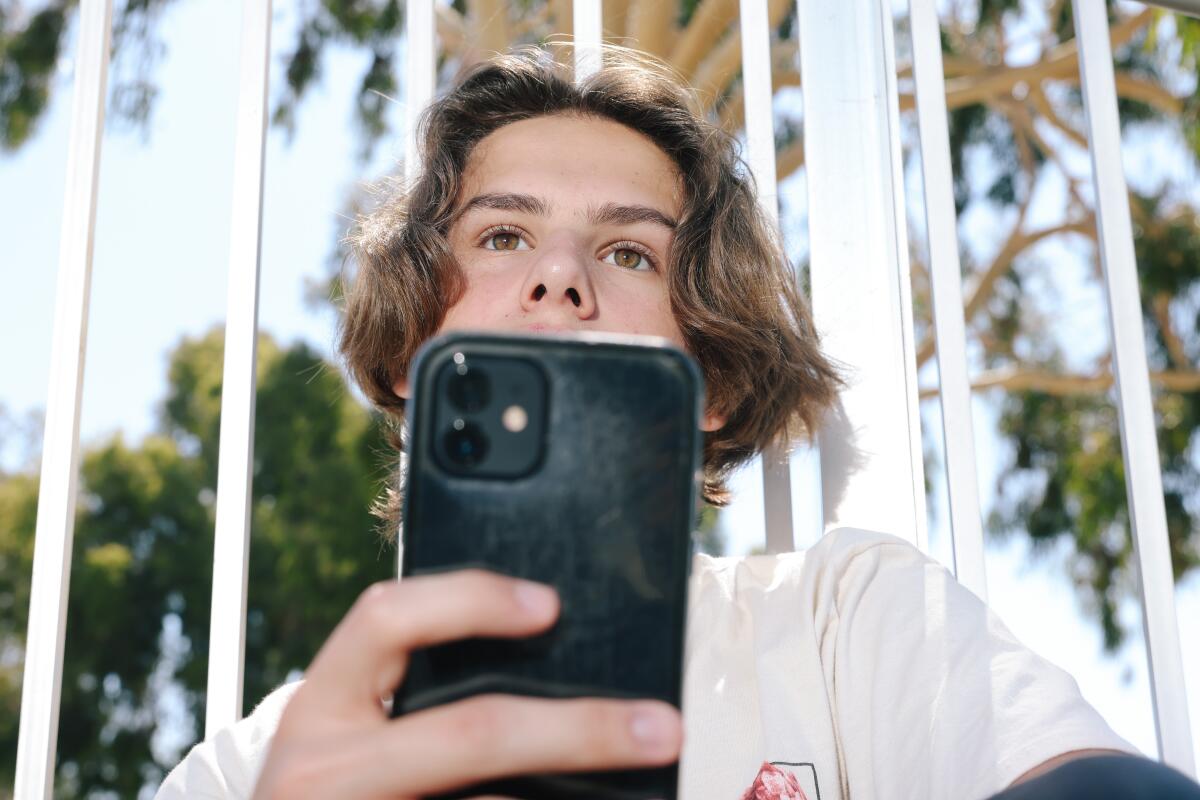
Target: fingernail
{"points": [[653, 725], [536, 598]]}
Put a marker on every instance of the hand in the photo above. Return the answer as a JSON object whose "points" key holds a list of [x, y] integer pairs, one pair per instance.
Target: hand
{"points": [[336, 740]]}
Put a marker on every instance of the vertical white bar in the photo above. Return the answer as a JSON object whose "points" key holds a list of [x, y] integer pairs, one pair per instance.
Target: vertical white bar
{"points": [[40, 693], [1138, 443], [231, 550], [419, 80], [946, 273], [589, 24], [760, 155], [871, 469]]}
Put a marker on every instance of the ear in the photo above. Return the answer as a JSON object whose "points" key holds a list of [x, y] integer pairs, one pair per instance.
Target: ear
{"points": [[400, 387]]}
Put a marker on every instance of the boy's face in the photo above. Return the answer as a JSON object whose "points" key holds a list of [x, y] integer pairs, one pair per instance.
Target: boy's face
{"points": [[565, 223]]}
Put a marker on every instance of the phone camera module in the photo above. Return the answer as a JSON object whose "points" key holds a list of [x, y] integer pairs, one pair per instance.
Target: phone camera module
{"points": [[466, 446], [469, 390], [489, 419]]}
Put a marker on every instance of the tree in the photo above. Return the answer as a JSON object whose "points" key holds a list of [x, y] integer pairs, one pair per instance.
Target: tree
{"points": [[1016, 133], [138, 621], [1065, 479], [135, 666]]}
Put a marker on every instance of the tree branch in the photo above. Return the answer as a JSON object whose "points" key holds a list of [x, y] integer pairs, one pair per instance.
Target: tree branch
{"points": [[715, 73], [1132, 87], [1037, 94], [1024, 134], [652, 26], [1061, 63], [790, 159], [708, 24], [1128, 86], [732, 115], [953, 66], [983, 286], [538, 21], [487, 21], [1016, 243], [1012, 379], [616, 17], [1022, 120], [451, 29]]}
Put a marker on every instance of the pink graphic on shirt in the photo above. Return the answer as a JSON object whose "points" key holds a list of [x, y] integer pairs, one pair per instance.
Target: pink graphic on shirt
{"points": [[774, 783]]}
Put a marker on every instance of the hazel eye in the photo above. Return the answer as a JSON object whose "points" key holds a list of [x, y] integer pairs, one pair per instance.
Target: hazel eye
{"points": [[505, 240], [629, 258]]}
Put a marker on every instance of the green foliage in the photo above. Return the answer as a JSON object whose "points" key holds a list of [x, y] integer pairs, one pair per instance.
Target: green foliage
{"points": [[1188, 31], [991, 12], [142, 570], [373, 25], [28, 58], [138, 618], [1066, 479], [1063, 22], [30, 50], [966, 128], [686, 9], [18, 515]]}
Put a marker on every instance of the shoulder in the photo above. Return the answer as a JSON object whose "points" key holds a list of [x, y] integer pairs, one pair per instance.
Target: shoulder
{"points": [[227, 763], [821, 584], [841, 547], [836, 554]]}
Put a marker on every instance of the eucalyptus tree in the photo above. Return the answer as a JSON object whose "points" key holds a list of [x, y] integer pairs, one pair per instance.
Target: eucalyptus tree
{"points": [[138, 617]]}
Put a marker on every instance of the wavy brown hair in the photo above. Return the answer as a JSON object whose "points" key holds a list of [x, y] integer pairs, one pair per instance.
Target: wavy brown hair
{"points": [[732, 291]]}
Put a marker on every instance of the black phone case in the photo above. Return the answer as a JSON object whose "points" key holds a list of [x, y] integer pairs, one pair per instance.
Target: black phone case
{"points": [[606, 518]]}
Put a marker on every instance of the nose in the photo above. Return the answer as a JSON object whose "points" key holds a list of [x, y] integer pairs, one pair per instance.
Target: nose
{"points": [[559, 280]]}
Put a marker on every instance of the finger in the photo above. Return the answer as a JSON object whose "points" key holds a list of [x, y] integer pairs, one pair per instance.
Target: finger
{"points": [[497, 736], [364, 658]]}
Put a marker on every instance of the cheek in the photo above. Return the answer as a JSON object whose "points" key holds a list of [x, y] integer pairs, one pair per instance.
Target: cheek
{"points": [[646, 312], [482, 299]]}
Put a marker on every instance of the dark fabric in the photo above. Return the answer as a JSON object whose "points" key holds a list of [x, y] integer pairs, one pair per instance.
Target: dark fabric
{"points": [[1116, 777]]}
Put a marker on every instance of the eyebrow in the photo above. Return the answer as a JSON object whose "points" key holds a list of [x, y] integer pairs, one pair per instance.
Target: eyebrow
{"points": [[607, 214]]}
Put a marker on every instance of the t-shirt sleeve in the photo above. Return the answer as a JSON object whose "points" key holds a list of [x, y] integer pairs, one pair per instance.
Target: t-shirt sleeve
{"points": [[227, 764], [934, 696]]}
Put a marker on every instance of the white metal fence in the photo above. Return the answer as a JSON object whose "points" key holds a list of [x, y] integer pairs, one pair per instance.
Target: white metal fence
{"points": [[860, 296]]}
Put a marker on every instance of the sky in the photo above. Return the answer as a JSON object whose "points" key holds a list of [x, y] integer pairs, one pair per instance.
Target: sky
{"points": [[159, 274]]}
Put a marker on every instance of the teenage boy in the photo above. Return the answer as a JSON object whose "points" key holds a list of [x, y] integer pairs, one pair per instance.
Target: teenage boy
{"points": [[857, 669]]}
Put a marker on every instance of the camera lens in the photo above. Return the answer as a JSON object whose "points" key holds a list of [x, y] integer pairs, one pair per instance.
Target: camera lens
{"points": [[467, 446], [469, 390]]}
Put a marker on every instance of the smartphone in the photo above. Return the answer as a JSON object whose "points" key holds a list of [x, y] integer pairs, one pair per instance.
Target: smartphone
{"points": [[572, 461]]}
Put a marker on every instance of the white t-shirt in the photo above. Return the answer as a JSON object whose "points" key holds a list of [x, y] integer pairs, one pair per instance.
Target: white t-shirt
{"points": [[856, 669]]}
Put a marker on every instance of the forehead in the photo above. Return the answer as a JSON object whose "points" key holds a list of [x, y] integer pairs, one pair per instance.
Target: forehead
{"points": [[577, 160]]}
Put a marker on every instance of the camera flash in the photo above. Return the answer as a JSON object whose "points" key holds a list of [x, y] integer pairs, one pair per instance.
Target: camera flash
{"points": [[514, 419]]}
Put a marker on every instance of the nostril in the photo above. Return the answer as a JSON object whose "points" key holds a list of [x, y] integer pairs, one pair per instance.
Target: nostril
{"points": [[539, 292], [574, 295]]}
